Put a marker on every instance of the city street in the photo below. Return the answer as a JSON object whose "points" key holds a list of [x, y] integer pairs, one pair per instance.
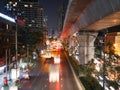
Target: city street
{"points": [[35, 33], [40, 78]]}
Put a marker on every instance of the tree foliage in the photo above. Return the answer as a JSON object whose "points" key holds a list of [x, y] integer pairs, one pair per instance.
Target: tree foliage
{"points": [[32, 38]]}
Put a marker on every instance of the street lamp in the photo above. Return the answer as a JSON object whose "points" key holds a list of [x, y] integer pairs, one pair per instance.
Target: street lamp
{"points": [[16, 44], [103, 42], [16, 36], [27, 51], [104, 64]]}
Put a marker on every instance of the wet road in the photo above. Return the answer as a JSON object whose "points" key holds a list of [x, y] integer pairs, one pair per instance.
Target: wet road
{"points": [[49, 76]]}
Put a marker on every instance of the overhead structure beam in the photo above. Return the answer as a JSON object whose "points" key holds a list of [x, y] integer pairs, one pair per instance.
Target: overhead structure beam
{"points": [[91, 15]]}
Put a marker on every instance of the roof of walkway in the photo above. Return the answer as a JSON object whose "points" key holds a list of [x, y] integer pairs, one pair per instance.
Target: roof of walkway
{"points": [[90, 15]]}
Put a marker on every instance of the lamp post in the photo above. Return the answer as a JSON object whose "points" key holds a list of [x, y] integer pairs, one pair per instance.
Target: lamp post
{"points": [[27, 51], [16, 37], [103, 41], [16, 44], [28, 54], [102, 45], [104, 64]]}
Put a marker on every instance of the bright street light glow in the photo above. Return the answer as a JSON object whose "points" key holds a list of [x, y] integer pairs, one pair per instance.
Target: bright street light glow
{"points": [[7, 17]]}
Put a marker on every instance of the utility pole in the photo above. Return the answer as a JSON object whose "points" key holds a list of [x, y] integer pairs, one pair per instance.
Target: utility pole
{"points": [[16, 44], [6, 51], [104, 64], [16, 36]]}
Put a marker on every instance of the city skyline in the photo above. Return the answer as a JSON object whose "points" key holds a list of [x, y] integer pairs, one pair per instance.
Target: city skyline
{"points": [[52, 10]]}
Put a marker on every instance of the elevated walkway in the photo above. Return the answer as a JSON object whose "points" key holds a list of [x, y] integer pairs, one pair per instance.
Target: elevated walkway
{"points": [[90, 15], [87, 16]]}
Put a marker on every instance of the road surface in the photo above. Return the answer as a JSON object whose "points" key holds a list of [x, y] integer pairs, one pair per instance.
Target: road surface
{"points": [[49, 76]]}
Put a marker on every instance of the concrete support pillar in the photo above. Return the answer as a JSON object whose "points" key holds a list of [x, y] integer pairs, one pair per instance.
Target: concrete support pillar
{"points": [[71, 45], [86, 46]]}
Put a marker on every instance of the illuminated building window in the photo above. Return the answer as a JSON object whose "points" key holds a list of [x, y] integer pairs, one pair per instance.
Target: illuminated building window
{"points": [[29, 25], [33, 21], [10, 2], [41, 8], [15, 4], [30, 5], [25, 5], [7, 26]]}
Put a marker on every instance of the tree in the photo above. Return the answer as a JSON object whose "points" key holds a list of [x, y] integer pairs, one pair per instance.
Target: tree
{"points": [[32, 38], [110, 49]]}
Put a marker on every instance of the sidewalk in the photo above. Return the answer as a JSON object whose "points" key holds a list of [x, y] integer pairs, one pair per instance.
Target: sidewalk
{"points": [[10, 83], [2, 80]]}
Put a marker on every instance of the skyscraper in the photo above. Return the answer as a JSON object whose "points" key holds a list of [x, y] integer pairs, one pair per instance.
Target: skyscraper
{"points": [[30, 12], [2, 6]]}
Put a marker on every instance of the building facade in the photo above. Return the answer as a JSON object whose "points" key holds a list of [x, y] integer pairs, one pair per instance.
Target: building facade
{"points": [[29, 11], [7, 36]]}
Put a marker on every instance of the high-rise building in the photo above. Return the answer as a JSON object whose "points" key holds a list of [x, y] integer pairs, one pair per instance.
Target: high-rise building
{"points": [[2, 6], [30, 12], [61, 17]]}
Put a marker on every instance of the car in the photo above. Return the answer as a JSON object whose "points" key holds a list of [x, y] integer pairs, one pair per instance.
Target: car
{"points": [[54, 77], [118, 82], [25, 75], [48, 54], [54, 73], [57, 59], [49, 60]]}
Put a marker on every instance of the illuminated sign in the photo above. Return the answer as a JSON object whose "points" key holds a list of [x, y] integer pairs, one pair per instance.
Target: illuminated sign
{"points": [[7, 17], [13, 88], [15, 74]]}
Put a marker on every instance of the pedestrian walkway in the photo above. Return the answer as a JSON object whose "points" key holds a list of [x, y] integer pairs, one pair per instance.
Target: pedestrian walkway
{"points": [[8, 75], [2, 80]]}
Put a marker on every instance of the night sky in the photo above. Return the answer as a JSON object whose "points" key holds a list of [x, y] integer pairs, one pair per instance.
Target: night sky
{"points": [[51, 8]]}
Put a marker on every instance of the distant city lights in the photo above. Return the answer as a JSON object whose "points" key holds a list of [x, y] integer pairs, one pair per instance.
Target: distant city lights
{"points": [[7, 17]]}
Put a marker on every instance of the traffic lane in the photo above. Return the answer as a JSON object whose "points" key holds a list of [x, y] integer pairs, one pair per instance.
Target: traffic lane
{"points": [[41, 78], [34, 74], [42, 82], [67, 79]]}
